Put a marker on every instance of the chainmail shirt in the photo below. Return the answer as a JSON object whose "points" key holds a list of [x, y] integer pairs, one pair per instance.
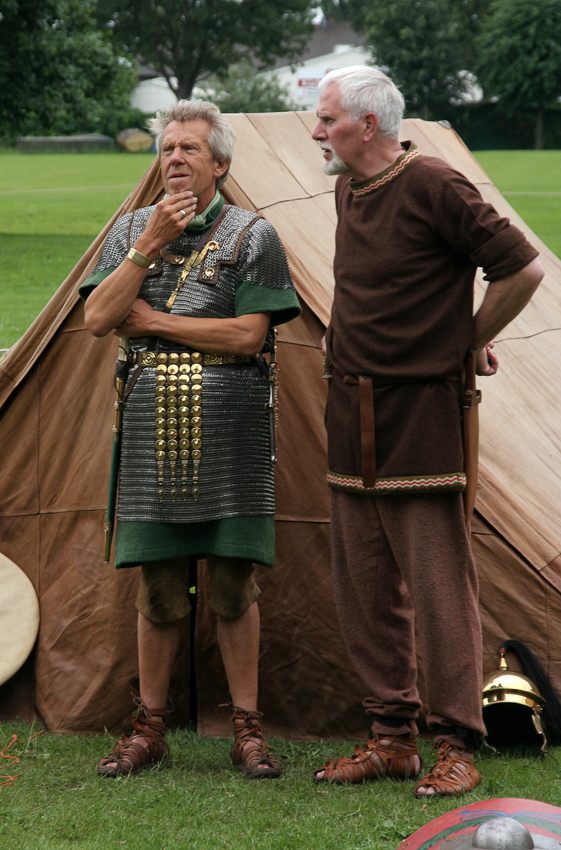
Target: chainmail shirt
{"points": [[247, 273]]}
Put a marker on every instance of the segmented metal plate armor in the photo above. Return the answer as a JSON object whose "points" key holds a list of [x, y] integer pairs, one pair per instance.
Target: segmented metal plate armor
{"points": [[236, 474]]}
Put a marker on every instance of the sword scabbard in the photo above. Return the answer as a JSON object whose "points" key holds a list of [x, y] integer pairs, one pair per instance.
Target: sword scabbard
{"points": [[121, 374]]}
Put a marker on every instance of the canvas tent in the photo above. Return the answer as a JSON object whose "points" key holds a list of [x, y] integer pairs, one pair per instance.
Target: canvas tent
{"points": [[56, 402]]}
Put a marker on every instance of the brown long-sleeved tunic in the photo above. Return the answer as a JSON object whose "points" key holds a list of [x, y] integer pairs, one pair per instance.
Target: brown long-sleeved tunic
{"points": [[408, 244]]}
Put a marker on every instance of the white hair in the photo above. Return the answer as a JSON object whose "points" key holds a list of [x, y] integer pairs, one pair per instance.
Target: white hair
{"points": [[221, 137], [364, 89]]}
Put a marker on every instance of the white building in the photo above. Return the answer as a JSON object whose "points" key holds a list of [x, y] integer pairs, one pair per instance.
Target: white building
{"points": [[302, 82], [152, 94]]}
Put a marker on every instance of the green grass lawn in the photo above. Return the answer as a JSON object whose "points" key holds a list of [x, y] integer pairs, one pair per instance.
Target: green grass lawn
{"points": [[199, 802], [52, 206], [531, 183]]}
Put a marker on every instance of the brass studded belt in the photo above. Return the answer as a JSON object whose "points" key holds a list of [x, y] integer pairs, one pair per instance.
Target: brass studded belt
{"points": [[154, 358]]}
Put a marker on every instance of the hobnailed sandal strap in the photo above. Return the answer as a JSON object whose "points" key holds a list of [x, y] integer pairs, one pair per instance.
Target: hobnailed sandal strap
{"points": [[150, 723], [451, 775], [251, 753], [398, 757], [129, 756]]}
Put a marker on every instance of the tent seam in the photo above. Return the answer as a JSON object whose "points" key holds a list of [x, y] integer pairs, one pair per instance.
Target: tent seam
{"points": [[291, 200], [526, 336]]}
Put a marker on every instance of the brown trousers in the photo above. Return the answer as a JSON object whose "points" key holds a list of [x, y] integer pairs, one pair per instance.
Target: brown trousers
{"points": [[403, 563]]}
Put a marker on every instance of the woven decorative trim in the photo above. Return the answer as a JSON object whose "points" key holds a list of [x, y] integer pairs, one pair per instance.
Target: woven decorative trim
{"points": [[391, 174], [406, 484]]}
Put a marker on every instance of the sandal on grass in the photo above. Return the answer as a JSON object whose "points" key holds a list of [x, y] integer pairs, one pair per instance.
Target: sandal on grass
{"points": [[451, 775], [129, 755], [251, 754], [396, 756]]}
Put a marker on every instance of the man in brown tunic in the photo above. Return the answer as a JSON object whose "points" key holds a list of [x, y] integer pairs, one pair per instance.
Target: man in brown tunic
{"points": [[411, 233]]}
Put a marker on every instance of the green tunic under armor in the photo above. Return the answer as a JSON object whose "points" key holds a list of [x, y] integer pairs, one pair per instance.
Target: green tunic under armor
{"points": [[233, 513]]}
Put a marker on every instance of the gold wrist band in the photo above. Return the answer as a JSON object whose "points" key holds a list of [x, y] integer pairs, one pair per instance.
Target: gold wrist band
{"points": [[138, 258]]}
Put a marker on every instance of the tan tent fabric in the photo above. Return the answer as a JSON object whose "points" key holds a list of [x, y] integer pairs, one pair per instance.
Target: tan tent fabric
{"points": [[55, 423]]}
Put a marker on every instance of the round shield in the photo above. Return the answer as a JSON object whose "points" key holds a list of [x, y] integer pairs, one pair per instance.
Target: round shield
{"points": [[456, 830], [19, 618]]}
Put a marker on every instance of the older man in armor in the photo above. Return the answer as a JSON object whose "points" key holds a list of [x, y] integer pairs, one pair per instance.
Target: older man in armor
{"points": [[197, 286]]}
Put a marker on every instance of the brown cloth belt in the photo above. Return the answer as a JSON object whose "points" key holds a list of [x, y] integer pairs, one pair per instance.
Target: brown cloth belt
{"points": [[367, 425]]}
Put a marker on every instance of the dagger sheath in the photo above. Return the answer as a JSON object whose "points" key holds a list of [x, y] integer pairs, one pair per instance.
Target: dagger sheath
{"points": [[121, 374]]}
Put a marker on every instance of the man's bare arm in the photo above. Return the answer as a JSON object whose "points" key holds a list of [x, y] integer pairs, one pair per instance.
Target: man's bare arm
{"points": [[503, 301], [111, 302], [240, 335]]}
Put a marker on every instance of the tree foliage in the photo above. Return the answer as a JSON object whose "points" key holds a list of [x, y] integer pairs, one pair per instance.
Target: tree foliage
{"points": [[187, 40], [58, 72], [426, 46], [520, 57], [242, 90]]}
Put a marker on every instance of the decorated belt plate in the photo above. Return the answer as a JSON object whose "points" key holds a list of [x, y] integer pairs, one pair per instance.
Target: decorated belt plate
{"points": [[179, 395]]}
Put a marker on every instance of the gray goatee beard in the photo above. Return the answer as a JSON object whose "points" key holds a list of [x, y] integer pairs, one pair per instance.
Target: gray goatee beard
{"points": [[335, 165]]}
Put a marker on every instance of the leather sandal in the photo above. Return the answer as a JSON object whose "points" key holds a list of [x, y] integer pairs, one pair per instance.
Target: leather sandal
{"points": [[251, 754], [397, 757], [451, 774], [129, 756]]}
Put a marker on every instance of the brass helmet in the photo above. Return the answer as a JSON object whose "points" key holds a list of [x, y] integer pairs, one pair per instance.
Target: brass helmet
{"points": [[519, 699]]}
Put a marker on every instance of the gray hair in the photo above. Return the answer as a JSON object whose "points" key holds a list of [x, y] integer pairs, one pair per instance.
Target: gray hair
{"points": [[364, 89], [221, 137]]}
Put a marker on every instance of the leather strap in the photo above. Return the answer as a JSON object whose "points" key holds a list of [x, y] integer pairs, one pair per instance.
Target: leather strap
{"points": [[367, 433], [204, 238], [132, 382], [470, 401], [367, 425]]}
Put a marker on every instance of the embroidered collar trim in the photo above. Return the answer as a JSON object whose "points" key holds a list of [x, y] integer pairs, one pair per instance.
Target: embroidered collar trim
{"points": [[387, 176]]}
